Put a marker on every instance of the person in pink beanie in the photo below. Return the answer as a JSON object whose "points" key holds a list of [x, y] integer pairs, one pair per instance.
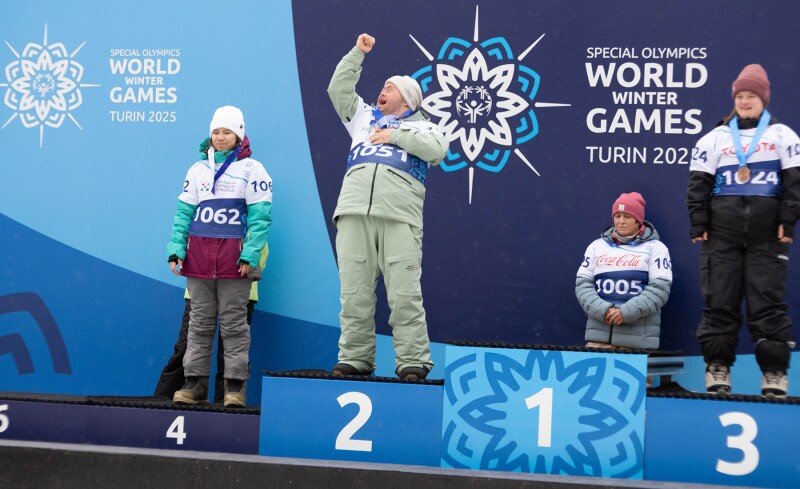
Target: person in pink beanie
{"points": [[624, 280], [744, 200]]}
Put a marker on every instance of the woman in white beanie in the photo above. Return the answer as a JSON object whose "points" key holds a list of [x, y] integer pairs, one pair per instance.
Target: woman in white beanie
{"points": [[220, 228], [744, 201]]}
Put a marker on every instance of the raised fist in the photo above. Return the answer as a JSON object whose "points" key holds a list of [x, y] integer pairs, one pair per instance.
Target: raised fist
{"points": [[365, 43]]}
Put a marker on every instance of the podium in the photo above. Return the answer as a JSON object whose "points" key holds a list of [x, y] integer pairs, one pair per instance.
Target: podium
{"points": [[527, 409], [537, 409]]}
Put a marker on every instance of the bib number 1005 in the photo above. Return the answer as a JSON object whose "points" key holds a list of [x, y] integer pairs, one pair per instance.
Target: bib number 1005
{"points": [[621, 287]]}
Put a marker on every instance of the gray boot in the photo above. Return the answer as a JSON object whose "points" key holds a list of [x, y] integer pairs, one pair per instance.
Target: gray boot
{"points": [[718, 379], [194, 391], [235, 393], [774, 384]]}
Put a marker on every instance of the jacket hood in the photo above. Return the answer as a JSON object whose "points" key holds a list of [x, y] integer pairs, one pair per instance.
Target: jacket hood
{"points": [[649, 234]]}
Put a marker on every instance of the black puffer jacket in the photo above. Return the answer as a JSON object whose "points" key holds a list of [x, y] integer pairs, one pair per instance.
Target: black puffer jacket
{"points": [[746, 218]]}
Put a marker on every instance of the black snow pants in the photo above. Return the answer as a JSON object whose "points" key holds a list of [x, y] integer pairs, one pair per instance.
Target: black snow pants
{"points": [[757, 271]]}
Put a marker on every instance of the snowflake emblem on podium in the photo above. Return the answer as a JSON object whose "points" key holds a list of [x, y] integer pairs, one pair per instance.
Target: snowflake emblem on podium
{"points": [[483, 99], [595, 412], [43, 85]]}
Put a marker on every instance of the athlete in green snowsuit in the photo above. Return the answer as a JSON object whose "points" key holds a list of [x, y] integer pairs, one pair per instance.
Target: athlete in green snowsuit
{"points": [[379, 216]]}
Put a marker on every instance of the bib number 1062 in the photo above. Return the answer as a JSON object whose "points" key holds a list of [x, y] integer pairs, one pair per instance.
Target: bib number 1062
{"points": [[220, 216]]}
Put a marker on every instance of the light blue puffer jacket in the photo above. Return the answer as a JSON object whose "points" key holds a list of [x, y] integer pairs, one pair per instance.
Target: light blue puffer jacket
{"points": [[642, 314]]}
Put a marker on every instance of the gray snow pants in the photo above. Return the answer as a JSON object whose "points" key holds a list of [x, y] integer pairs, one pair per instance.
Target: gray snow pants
{"points": [[226, 298]]}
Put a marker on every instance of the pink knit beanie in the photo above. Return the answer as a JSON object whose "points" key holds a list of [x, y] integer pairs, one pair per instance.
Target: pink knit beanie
{"points": [[754, 79], [632, 203]]}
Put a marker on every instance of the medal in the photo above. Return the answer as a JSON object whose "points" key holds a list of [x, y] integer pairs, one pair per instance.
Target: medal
{"points": [[743, 175]]}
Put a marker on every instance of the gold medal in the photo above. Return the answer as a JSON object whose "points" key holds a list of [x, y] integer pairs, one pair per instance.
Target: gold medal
{"points": [[743, 175]]}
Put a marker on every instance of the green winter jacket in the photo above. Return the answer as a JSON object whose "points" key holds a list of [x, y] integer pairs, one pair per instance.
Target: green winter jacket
{"points": [[376, 189]]}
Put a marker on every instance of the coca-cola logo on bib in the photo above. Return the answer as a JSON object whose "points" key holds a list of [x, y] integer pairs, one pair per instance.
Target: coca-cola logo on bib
{"points": [[626, 260]]}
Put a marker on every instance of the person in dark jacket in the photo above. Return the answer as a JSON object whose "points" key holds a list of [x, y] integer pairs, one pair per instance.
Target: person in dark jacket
{"points": [[744, 201], [624, 280]]}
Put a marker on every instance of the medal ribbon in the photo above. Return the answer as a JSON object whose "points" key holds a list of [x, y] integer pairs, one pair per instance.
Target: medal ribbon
{"points": [[763, 123], [230, 159], [384, 121]]}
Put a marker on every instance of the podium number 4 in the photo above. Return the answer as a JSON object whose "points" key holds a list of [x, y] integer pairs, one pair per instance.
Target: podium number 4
{"points": [[175, 430], [743, 442], [345, 439]]}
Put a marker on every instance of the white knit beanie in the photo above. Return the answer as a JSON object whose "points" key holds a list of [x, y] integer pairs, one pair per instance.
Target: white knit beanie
{"points": [[409, 89], [228, 117]]}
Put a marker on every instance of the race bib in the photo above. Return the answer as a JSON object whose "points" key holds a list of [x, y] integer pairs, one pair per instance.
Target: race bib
{"points": [[620, 286], [220, 218], [765, 179], [391, 155]]}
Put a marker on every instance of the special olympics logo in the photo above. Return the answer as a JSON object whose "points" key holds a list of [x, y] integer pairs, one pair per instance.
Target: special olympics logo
{"points": [[483, 98], [44, 85], [472, 106]]}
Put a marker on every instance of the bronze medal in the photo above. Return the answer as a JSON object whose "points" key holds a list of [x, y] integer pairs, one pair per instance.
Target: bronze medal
{"points": [[743, 175]]}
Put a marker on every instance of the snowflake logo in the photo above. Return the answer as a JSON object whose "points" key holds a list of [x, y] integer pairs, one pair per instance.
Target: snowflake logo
{"points": [[496, 413], [44, 85], [483, 99]]}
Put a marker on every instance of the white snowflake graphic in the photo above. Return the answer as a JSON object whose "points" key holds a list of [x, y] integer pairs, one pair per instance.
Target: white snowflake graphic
{"points": [[475, 70], [44, 85], [482, 97]]}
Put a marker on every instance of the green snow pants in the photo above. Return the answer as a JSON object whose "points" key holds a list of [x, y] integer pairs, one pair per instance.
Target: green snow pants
{"points": [[366, 245]]}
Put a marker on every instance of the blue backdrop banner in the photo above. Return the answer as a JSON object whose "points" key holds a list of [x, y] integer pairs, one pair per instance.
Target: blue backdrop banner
{"points": [[552, 109]]}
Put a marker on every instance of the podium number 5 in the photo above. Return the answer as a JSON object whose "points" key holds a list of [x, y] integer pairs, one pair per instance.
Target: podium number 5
{"points": [[543, 399], [345, 441], [743, 442], [3, 418]]}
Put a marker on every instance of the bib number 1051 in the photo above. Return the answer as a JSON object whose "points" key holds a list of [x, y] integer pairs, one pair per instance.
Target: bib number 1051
{"points": [[382, 151]]}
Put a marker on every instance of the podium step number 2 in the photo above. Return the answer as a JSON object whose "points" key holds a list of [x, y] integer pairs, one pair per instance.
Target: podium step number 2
{"points": [[351, 420]]}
